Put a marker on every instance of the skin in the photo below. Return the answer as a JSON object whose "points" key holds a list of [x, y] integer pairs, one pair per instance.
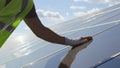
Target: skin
{"points": [[40, 30]]}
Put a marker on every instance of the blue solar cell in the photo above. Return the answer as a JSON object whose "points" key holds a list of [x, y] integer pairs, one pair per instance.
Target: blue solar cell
{"points": [[101, 47], [114, 63], [48, 55]]}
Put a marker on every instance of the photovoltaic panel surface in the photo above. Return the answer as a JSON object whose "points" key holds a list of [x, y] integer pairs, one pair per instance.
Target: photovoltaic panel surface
{"points": [[35, 53]]}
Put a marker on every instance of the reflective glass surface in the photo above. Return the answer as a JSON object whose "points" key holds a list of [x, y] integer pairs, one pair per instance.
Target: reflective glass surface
{"points": [[114, 63], [25, 50]]}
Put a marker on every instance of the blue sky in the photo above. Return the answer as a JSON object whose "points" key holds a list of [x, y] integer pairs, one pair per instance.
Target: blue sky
{"points": [[56, 11], [52, 12]]}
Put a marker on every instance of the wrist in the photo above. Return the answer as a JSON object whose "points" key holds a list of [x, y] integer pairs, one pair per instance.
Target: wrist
{"points": [[73, 41]]}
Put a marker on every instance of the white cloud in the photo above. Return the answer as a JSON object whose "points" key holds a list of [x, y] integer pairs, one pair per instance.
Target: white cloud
{"points": [[50, 15], [92, 11], [79, 13], [77, 7], [100, 1], [94, 1]]}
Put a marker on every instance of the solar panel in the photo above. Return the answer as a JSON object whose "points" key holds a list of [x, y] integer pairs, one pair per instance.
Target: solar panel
{"points": [[99, 49], [103, 26], [115, 63], [111, 62], [103, 41]]}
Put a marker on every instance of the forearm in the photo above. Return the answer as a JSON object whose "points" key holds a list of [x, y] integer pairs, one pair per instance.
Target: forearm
{"points": [[44, 32], [49, 35]]}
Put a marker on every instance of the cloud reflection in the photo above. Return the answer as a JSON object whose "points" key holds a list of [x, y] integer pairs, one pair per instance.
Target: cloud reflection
{"points": [[20, 38], [3, 66], [22, 52]]}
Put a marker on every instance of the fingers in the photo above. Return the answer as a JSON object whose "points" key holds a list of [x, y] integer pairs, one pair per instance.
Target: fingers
{"points": [[87, 38]]}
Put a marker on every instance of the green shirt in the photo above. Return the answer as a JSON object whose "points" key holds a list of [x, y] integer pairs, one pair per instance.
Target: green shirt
{"points": [[11, 15]]}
